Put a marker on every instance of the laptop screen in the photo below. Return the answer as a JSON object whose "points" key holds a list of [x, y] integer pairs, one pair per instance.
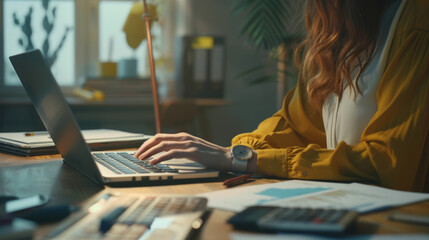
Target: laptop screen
{"points": [[55, 113]]}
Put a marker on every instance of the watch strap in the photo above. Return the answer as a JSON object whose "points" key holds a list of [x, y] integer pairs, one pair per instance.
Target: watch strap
{"points": [[238, 165]]}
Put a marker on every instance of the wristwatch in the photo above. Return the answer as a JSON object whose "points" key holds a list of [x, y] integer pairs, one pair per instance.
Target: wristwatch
{"points": [[240, 156]]}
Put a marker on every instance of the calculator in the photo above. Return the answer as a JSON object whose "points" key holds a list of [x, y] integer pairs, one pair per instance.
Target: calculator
{"points": [[304, 220]]}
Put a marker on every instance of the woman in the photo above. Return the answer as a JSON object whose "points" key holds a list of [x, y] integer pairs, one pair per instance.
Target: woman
{"points": [[360, 110]]}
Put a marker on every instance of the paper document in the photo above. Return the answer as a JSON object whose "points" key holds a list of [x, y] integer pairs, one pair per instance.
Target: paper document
{"points": [[298, 193]]}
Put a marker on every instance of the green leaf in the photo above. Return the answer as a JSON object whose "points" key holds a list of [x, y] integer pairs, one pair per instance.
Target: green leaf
{"points": [[264, 26], [263, 79], [287, 73], [241, 6], [265, 21], [253, 70], [45, 4]]}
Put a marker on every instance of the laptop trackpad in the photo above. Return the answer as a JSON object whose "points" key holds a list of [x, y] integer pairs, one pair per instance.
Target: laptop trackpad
{"points": [[184, 165]]}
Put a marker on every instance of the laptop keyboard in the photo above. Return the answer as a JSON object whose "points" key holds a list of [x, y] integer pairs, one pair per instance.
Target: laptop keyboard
{"points": [[126, 163], [130, 216]]}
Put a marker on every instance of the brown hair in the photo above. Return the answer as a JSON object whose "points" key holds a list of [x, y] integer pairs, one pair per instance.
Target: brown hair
{"points": [[340, 40]]}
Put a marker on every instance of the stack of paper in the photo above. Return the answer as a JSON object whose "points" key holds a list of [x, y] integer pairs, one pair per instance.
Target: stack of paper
{"points": [[313, 194], [40, 143]]}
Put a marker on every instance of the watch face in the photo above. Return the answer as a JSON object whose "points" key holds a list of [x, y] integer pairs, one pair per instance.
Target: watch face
{"points": [[242, 152]]}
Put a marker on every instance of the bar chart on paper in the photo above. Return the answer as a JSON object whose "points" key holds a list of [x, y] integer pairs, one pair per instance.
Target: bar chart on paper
{"points": [[336, 198], [281, 193], [297, 193]]}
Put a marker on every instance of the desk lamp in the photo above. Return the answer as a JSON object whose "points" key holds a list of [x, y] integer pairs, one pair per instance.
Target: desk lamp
{"points": [[135, 34]]}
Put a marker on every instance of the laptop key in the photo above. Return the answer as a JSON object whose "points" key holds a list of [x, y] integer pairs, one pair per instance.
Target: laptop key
{"points": [[150, 167], [125, 161], [121, 159], [121, 163], [145, 164], [107, 166], [117, 165]]}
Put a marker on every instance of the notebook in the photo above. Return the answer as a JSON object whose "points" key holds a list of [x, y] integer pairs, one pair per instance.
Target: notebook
{"points": [[101, 167], [40, 143]]}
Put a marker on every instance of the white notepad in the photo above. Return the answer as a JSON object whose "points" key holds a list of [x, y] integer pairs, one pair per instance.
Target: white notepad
{"points": [[41, 142]]}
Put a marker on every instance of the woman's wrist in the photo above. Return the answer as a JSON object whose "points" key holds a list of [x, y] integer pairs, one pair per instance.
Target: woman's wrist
{"points": [[252, 165], [227, 163]]}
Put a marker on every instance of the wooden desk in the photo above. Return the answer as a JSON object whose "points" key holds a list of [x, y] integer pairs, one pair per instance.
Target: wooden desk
{"points": [[24, 176]]}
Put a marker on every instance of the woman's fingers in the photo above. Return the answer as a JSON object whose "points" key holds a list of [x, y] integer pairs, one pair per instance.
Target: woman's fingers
{"points": [[211, 158], [188, 153], [165, 146], [184, 145], [158, 138]]}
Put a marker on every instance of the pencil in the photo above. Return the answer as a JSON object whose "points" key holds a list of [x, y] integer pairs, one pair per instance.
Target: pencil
{"points": [[29, 134], [237, 180]]}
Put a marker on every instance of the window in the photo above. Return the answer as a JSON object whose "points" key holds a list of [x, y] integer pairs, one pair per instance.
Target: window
{"points": [[91, 23], [112, 16], [110, 30], [27, 24]]}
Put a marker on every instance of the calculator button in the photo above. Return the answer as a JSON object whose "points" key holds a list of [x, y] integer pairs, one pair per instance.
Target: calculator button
{"points": [[335, 217], [317, 220], [306, 220]]}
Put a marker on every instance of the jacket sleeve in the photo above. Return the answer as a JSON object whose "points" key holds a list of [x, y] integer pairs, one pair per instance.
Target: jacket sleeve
{"points": [[297, 124], [291, 144]]}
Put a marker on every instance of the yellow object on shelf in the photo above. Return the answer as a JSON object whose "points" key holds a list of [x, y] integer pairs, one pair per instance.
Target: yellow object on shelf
{"points": [[203, 42], [134, 26], [91, 95], [107, 69]]}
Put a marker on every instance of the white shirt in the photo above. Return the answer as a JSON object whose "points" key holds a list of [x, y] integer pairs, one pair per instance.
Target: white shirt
{"points": [[346, 119]]}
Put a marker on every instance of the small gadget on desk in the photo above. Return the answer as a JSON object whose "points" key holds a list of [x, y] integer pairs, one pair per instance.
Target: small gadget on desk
{"points": [[21, 204], [282, 219], [17, 228], [133, 216]]}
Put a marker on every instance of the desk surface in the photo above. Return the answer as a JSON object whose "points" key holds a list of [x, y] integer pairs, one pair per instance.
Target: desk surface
{"points": [[24, 176]]}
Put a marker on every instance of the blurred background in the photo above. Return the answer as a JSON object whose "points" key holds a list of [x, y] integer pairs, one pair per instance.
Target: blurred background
{"points": [[219, 73]]}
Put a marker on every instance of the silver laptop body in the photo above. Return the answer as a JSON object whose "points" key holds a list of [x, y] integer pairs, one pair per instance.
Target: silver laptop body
{"points": [[55, 113]]}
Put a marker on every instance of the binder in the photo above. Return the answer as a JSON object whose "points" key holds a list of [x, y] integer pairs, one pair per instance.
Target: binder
{"points": [[200, 66]]}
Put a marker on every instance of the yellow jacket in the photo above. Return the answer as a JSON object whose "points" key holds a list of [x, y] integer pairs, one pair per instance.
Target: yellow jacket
{"points": [[394, 147]]}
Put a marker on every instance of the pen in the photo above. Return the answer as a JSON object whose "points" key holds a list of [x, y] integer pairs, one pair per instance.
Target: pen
{"points": [[198, 224], [237, 180], [29, 134]]}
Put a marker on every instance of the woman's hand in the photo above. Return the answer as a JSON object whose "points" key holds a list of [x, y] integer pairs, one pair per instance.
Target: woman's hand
{"points": [[184, 145]]}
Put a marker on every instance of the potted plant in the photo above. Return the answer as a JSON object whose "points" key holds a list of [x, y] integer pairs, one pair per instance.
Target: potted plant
{"points": [[272, 25], [26, 41]]}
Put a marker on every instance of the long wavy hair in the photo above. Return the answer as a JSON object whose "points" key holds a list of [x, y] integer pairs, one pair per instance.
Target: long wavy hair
{"points": [[341, 39]]}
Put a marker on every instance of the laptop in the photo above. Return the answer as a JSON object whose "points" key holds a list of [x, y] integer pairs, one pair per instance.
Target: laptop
{"points": [[100, 167]]}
